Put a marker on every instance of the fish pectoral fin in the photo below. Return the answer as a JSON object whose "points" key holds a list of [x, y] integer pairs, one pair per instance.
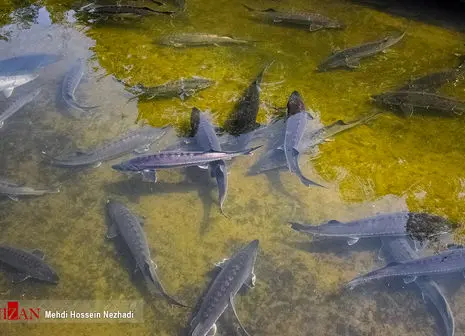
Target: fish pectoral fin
{"points": [[204, 167], [8, 92], [409, 279], [17, 277], [231, 303], [221, 263], [13, 198], [314, 27], [250, 281], [149, 176], [111, 232], [142, 149], [141, 220], [353, 63], [212, 331], [97, 164], [38, 253], [352, 241], [2, 123], [380, 255], [407, 109]]}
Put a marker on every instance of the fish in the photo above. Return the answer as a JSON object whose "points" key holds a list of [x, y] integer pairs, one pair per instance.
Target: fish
{"points": [[198, 40], [17, 104], [409, 101], [243, 118], [148, 164], [26, 64], [22, 265], [9, 83], [295, 128], [70, 83], [350, 58], [12, 190], [418, 225], [313, 21], [449, 261], [182, 88], [236, 272], [207, 139], [128, 226], [399, 249], [138, 140], [124, 9]]}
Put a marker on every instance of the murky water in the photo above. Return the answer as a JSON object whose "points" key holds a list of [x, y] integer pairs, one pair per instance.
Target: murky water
{"points": [[392, 163]]}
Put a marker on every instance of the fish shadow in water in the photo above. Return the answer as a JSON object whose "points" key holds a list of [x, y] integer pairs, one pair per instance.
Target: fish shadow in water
{"points": [[274, 179], [196, 179]]}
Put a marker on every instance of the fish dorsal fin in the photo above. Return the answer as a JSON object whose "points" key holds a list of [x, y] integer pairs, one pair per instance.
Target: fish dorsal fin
{"points": [[38, 254], [333, 221]]}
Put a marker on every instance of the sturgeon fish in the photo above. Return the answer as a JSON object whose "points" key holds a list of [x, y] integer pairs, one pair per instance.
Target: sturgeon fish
{"points": [[17, 104], [199, 40], [12, 190]]}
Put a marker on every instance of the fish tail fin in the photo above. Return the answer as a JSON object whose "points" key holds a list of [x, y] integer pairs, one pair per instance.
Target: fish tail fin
{"points": [[250, 150]]}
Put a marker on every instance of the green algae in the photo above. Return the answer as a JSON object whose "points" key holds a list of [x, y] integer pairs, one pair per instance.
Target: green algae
{"points": [[387, 165]]}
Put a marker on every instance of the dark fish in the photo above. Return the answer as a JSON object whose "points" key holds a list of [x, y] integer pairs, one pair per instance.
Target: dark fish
{"points": [[148, 164], [350, 58], [12, 190], [243, 119], [421, 226], [26, 64], [313, 21], [236, 272], [409, 101], [129, 227], [70, 83], [449, 261], [17, 104], [138, 140], [182, 88], [23, 265], [295, 128], [399, 249], [124, 9], [199, 40]]}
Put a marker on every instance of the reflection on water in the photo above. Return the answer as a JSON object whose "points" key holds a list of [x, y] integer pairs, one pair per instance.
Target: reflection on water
{"points": [[388, 164]]}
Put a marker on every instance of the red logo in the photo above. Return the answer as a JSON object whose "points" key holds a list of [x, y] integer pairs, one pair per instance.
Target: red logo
{"points": [[14, 313]]}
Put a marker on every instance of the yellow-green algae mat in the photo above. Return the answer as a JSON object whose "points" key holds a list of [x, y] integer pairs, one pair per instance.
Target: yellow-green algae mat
{"points": [[393, 163]]}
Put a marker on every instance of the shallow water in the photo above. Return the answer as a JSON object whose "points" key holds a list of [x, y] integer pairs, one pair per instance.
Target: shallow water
{"points": [[392, 163]]}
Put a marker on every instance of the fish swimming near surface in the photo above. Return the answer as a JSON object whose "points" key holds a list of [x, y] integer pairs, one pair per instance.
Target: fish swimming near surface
{"points": [[199, 40], [399, 249], [122, 10], [26, 64], [22, 265], [312, 21], [70, 83], [207, 139], [125, 224], [418, 225], [138, 140], [9, 83], [409, 102], [147, 165], [13, 190], [182, 88], [236, 272], [450, 261], [243, 119], [11, 107], [350, 58], [295, 127]]}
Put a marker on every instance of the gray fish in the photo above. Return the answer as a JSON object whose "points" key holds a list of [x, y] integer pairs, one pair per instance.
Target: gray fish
{"points": [[129, 227], [198, 40], [138, 140], [123, 9], [295, 128], [12, 190], [11, 82], [207, 139], [236, 272], [421, 226], [23, 265], [399, 249], [243, 119], [26, 64], [350, 58], [409, 101], [17, 104], [182, 88], [70, 83], [450, 261], [313, 21]]}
